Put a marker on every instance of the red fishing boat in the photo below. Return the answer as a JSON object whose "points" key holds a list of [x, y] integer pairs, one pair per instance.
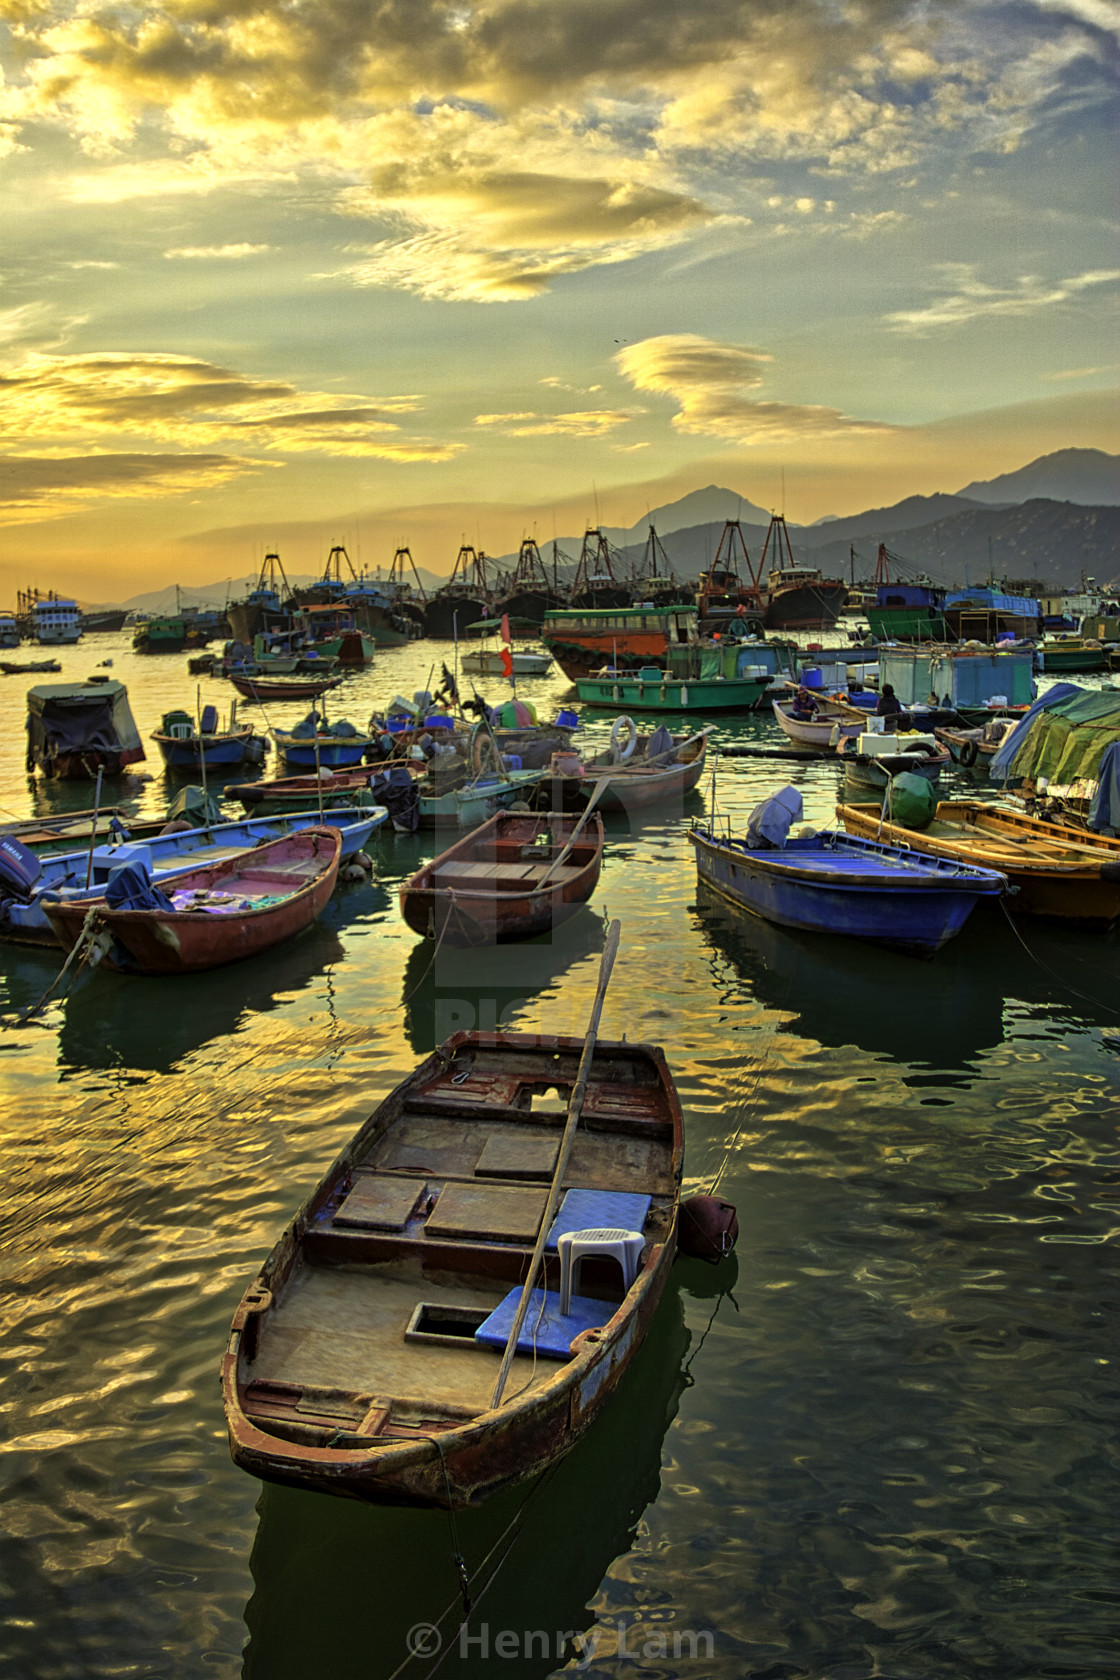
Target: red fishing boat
{"points": [[207, 917]]}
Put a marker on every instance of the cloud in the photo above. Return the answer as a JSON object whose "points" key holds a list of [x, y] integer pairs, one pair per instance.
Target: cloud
{"points": [[493, 235], [34, 488], [710, 381], [187, 401], [223, 253], [634, 126], [590, 423], [975, 299]]}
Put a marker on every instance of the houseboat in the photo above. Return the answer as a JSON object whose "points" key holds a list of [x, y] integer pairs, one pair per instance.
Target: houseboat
{"points": [[583, 640]]}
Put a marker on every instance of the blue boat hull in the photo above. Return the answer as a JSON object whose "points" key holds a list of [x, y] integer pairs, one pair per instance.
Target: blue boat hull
{"points": [[187, 755], [915, 911], [332, 755]]}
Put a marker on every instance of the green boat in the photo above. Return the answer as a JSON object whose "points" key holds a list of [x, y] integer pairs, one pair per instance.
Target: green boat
{"points": [[728, 677], [1071, 653]]}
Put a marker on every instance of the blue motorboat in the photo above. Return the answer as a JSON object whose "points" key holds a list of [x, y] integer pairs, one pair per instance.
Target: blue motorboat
{"points": [[191, 748], [25, 878], [316, 745], [830, 882]]}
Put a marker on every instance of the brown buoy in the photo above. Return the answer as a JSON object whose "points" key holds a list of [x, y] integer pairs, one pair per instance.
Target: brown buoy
{"points": [[707, 1228]]}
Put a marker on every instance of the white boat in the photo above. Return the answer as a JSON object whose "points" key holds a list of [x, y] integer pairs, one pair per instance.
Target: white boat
{"points": [[492, 661], [831, 721], [56, 622]]}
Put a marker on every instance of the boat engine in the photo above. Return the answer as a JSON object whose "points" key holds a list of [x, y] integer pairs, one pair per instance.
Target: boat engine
{"points": [[19, 869]]}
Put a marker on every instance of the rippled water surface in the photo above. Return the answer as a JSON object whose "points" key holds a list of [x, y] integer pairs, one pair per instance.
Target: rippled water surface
{"points": [[879, 1442]]}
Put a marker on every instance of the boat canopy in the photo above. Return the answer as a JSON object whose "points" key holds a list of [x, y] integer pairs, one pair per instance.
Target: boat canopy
{"points": [[1063, 737], [82, 717]]}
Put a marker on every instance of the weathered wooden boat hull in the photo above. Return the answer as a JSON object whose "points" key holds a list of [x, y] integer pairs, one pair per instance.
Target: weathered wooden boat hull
{"points": [[909, 912], [298, 793], [630, 787], [483, 891], [868, 770], [27, 923], [1062, 881], [269, 688], [353, 1442], [179, 942], [821, 733]]}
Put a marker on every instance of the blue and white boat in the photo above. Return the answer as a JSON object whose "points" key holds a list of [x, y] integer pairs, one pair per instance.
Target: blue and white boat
{"points": [[22, 885], [831, 882], [188, 748], [316, 745]]}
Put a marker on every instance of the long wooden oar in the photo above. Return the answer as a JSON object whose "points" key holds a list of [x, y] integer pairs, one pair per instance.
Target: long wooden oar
{"points": [[93, 828], [575, 1105], [575, 834]]}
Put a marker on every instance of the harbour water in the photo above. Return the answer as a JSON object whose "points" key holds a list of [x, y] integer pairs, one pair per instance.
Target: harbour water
{"points": [[878, 1442]]}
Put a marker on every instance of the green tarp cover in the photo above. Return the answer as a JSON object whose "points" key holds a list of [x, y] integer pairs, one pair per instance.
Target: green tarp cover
{"points": [[1067, 740], [711, 660]]}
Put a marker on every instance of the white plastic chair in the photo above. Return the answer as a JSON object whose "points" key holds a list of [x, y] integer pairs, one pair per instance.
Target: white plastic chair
{"points": [[623, 1246]]}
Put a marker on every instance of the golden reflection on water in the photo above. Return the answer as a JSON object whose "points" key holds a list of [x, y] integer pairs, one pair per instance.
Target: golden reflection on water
{"points": [[895, 1415]]}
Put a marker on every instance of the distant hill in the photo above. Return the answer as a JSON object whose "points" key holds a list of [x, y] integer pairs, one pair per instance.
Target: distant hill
{"points": [[699, 507], [1054, 541], [1086, 476]]}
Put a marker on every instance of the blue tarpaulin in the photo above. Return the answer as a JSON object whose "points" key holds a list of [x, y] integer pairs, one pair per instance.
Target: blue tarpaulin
{"points": [[770, 822], [130, 888], [1104, 812]]}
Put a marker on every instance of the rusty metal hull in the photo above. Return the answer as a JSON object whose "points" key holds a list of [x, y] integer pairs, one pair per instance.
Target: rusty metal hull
{"points": [[448, 1454], [485, 890]]}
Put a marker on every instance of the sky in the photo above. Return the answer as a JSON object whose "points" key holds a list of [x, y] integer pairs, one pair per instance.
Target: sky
{"points": [[276, 276]]}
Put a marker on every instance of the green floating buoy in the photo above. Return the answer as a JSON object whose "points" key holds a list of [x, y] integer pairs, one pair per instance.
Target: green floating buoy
{"points": [[912, 801]]}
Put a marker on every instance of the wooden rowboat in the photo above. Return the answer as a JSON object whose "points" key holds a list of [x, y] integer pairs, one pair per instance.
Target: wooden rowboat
{"points": [[364, 1358], [638, 780], [212, 916], [300, 793], [1052, 873], [514, 877], [265, 689]]}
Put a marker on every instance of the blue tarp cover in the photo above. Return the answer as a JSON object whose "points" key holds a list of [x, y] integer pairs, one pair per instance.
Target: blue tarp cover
{"points": [[770, 822], [1104, 812], [130, 888]]}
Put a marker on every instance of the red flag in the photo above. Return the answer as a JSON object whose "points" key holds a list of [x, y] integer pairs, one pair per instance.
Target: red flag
{"points": [[507, 663], [505, 630]]}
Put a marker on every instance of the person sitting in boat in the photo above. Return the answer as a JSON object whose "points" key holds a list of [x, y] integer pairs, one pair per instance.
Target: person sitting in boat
{"points": [[889, 703], [804, 706]]}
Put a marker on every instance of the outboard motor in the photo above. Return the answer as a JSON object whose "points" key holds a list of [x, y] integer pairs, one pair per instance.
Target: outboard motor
{"points": [[19, 869], [769, 823]]}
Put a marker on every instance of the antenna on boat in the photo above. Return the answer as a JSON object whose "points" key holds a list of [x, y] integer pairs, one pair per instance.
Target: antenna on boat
{"points": [[202, 758], [575, 1105]]}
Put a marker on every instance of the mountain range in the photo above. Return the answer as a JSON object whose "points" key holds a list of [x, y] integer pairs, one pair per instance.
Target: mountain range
{"points": [[1055, 520]]}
